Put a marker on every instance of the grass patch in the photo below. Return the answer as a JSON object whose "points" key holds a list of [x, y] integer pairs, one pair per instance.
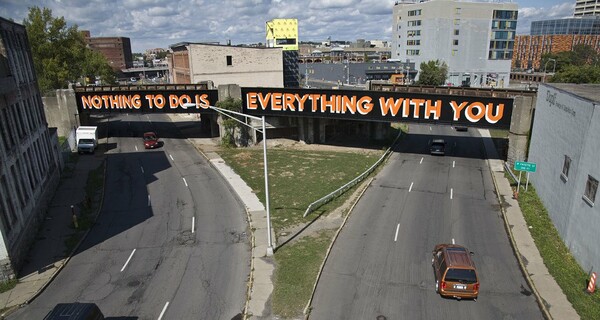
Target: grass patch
{"points": [[296, 177], [8, 285], [88, 208], [560, 263], [297, 268]]}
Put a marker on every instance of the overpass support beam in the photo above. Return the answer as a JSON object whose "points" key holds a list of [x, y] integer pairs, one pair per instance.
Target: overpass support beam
{"points": [[520, 128]]}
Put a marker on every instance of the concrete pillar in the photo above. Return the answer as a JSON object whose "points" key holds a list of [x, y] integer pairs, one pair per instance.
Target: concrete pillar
{"points": [[520, 127], [322, 123], [301, 129], [381, 130]]}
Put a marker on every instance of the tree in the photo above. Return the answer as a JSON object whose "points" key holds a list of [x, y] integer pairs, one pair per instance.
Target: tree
{"points": [[59, 52], [229, 124], [577, 74], [433, 73]]}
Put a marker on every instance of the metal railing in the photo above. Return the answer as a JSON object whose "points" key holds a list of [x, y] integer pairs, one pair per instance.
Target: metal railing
{"points": [[313, 206]]}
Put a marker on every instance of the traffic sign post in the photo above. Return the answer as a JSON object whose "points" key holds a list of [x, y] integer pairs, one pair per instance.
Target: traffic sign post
{"points": [[524, 166]]}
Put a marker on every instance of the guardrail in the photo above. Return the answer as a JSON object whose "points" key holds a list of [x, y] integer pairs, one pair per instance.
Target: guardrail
{"points": [[507, 167], [313, 206]]}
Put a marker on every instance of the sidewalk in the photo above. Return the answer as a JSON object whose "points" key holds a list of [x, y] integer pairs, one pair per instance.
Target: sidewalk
{"points": [[48, 254], [551, 299]]}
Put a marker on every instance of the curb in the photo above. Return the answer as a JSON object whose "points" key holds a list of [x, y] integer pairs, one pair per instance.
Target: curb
{"points": [[516, 252], [59, 269], [307, 308]]}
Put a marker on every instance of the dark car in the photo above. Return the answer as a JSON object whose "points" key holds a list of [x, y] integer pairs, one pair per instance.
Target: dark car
{"points": [[150, 140], [438, 147], [75, 311]]}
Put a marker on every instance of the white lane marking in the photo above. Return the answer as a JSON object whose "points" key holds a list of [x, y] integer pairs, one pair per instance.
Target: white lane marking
{"points": [[148, 200], [451, 193], [397, 229], [162, 313], [136, 149], [142, 169], [127, 262], [170, 156], [193, 223], [185, 182], [430, 129], [453, 241], [453, 163], [421, 160], [410, 188]]}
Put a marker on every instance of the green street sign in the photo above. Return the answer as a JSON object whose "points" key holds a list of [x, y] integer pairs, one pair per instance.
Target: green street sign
{"points": [[525, 166]]}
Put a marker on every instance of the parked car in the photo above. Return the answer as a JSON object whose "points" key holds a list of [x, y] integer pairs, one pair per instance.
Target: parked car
{"points": [[455, 272], [75, 311], [151, 140], [438, 147]]}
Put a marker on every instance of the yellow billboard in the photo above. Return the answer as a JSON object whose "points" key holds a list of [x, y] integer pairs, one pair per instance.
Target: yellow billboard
{"points": [[282, 33]]}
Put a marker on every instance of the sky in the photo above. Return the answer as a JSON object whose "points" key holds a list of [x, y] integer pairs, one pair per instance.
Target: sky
{"points": [[159, 23]]}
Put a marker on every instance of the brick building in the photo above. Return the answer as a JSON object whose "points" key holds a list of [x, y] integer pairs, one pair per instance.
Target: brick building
{"points": [[117, 50], [528, 49], [29, 160]]}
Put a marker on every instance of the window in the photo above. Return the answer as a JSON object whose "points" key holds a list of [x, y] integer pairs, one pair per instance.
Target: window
{"points": [[412, 52], [456, 32], [565, 169], [229, 61], [457, 11], [413, 33], [456, 22], [455, 42], [413, 42], [454, 52], [414, 23], [412, 13], [590, 190]]}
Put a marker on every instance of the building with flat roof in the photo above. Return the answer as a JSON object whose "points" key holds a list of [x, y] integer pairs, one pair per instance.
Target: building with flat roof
{"points": [[587, 8], [29, 160], [475, 39], [567, 122], [529, 49], [117, 50], [223, 64], [581, 25]]}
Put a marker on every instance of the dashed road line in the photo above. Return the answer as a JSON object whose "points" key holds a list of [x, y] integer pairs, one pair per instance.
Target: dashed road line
{"points": [[162, 313], [127, 262], [397, 229], [410, 188], [185, 182]]}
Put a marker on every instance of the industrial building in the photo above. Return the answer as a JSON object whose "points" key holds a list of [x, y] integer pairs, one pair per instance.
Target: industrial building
{"points": [[567, 122], [29, 160], [116, 50], [224, 64], [475, 39]]}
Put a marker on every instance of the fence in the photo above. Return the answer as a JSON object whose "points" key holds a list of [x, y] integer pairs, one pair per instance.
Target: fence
{"points": [[313, 206]]}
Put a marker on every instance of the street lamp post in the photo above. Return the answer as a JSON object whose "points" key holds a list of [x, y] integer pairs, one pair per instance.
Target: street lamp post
{"points": [[228, 113]]}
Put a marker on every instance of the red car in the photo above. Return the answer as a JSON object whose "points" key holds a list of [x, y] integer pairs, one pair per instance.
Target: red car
{"points": [[150, 140]]}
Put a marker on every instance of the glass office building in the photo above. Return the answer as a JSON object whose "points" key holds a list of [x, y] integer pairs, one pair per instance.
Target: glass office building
{"points": [[584, 25]]}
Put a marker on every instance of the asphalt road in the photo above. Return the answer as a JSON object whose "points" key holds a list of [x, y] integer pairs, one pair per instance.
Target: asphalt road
{"points": [[171, 241], [380, 266]]}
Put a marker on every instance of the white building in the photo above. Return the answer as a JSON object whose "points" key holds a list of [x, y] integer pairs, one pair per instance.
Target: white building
{"points": [[565, 140], [475, 39], [224, 64], [587, 8]]}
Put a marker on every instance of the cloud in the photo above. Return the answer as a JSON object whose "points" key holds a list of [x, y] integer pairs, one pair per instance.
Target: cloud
{"points": [[529, 14]]}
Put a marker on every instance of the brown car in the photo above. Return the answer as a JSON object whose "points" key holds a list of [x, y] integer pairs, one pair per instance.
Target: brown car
{"points": [[455, 273]]}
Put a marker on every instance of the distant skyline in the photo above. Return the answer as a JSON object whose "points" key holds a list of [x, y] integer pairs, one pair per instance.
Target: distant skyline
{"points": [[150, 24]]}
